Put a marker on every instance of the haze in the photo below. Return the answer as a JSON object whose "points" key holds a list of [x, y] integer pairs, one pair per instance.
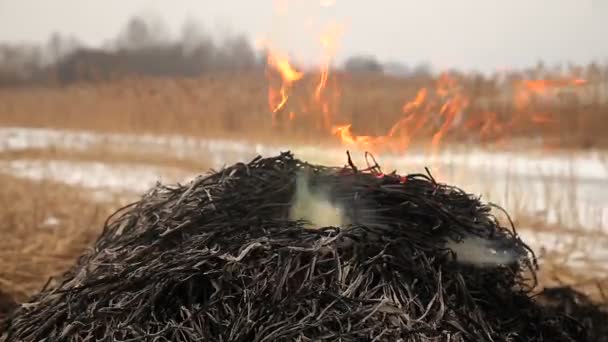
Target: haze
{"points": [[466, 34]]}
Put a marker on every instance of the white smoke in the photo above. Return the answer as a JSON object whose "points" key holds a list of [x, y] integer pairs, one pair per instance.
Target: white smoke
{"points": [[477, 251], [315, 207]]}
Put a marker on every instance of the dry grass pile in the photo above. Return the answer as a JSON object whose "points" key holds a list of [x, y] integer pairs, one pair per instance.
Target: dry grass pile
{"points": [[219, 259]]}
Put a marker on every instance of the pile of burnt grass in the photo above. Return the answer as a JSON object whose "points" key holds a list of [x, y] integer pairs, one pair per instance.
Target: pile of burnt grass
{"points": [[7, 306], [219, 260], [567, 301]]}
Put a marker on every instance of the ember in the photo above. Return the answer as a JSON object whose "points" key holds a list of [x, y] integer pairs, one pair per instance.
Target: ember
{"points": [[220, 259]]}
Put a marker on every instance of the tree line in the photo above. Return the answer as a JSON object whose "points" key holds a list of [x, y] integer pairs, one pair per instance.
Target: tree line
{"points": [[143, 47]]}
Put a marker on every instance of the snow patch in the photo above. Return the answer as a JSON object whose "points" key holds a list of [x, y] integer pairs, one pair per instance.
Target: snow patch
{"points": [[94, 175]]}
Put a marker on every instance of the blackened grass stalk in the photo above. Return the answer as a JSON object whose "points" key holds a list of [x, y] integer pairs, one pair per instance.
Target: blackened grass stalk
{"points": [[219, 260]]}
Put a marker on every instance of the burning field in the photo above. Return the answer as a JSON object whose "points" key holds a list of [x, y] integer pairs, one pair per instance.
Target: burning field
{"points": [[420, 256], [340, 205]]}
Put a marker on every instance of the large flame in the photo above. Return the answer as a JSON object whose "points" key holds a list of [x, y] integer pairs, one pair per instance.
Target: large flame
{"points": [[329, 42], [437, 109], [277, 97], [433, 114]]}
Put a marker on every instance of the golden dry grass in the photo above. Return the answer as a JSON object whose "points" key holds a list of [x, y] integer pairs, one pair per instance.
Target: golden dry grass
{"points": [[33, 247], [186, 106], [231, 105]]}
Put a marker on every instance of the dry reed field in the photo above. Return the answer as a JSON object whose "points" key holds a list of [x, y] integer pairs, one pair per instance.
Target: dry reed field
{"points": [[235, 106], [45, 226]]}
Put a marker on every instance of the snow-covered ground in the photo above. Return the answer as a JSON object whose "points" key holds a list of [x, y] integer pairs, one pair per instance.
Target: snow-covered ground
{"points": [[116, 178], [569, 248], [582, 165], [569, 189], [554, 185]]}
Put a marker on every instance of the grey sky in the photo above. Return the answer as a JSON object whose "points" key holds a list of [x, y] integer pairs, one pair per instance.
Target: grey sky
{"points": [[482, 34]]}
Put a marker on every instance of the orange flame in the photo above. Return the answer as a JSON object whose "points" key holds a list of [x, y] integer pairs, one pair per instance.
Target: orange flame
{"points": [[432, 116], [446, 104], [347, 137], [417, 102], [282, 65], [329, 42], [278, 98], [539, 86]]}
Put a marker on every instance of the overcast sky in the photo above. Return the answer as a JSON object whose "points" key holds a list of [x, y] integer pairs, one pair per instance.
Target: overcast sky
{"points": [[481, 34]]}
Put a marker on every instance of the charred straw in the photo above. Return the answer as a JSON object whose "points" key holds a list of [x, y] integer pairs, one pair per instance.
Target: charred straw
{"points": [[219, 259]]}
